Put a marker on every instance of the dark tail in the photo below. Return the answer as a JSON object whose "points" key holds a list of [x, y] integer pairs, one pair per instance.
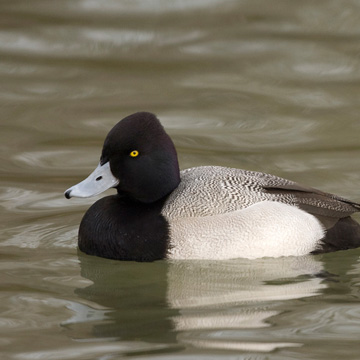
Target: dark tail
{"points": [[345, 234]]}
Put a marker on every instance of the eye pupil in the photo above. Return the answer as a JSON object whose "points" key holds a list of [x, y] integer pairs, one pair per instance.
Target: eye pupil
{"points": [[134, 153], [98, 178]]}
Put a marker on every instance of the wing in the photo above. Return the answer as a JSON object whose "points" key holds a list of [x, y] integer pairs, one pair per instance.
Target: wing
{"points": [[211, 190], [328, 208]]}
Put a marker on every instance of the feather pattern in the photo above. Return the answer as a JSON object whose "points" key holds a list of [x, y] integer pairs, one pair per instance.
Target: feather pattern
{"points": [[212, 190]]}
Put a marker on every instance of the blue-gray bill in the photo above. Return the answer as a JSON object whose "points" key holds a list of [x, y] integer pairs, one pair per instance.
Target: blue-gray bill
{"points": [[98, 181]]}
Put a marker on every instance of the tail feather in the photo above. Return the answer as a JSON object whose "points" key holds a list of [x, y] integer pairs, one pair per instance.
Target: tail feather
{"points": [[345, 234]]}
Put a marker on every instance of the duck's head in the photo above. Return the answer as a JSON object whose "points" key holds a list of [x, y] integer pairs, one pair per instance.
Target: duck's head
{"points": [[138, 159]]}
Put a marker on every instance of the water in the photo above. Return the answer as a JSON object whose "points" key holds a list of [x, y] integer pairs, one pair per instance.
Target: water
{"points": [[268, 86]]}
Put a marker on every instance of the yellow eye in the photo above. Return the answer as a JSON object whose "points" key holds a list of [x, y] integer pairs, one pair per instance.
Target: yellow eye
{"points": [[134, 153]]}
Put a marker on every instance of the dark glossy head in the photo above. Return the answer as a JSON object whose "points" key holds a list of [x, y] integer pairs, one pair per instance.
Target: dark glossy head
{"points": [[142, 157], [138, 159]]}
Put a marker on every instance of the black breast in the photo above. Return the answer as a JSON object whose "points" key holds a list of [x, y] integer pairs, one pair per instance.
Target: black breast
{"points": [[123, 229]]}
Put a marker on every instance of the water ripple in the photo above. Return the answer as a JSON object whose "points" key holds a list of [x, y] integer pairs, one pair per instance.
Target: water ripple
{"points": [[41, 235]]}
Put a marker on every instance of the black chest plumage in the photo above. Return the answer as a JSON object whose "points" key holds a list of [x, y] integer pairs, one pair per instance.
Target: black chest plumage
{"points": [[123, 229]]}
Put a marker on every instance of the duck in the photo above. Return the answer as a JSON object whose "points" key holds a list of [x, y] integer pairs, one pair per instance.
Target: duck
{"points": [[205, 212]]}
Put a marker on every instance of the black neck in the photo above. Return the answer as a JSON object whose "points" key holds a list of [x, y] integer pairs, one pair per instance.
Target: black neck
{"points": [[120, 228]]}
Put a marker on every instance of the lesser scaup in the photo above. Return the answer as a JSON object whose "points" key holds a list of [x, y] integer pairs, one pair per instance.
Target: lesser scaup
{"points": [[206, 212]]}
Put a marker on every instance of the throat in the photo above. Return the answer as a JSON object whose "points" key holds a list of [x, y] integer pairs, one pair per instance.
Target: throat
{"points": [[117, 227]]}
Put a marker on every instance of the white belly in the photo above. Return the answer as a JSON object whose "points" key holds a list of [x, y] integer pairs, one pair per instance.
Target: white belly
{"points": [[265, 229]]}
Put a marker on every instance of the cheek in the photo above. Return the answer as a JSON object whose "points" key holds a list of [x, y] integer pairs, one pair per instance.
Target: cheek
{"points": [[127, 169], [117, 167]]}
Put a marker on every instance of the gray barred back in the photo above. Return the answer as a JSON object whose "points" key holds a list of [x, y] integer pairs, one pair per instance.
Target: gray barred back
{"points": [[211, 190]]}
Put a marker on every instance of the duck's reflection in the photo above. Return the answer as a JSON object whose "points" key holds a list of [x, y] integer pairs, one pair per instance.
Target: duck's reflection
{"points": [[132, 298], [220, 302], [212, 304]]}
